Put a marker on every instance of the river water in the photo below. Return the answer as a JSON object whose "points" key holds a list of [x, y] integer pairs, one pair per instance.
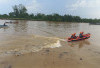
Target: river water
{"points": [[43, 44]]}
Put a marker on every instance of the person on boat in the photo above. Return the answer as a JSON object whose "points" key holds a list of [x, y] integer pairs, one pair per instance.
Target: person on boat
{"points": [[73, 36], [81, 35]]}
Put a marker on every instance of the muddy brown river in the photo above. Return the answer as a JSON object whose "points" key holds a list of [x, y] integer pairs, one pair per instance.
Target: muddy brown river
{"points": [[42, 44]]}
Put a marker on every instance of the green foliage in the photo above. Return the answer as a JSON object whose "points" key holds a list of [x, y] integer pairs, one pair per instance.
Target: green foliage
{"points": [[20, 12]]}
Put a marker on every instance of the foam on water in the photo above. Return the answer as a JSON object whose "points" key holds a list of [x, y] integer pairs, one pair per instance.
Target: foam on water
{"points": [[54, 45], [27, 44]]}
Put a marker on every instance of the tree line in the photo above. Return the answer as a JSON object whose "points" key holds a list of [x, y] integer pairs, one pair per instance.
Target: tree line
{"points": [[20, 12]]}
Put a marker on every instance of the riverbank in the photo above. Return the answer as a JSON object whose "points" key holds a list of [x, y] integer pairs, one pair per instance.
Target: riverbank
{"points": [[24, 19], [94, 21]]}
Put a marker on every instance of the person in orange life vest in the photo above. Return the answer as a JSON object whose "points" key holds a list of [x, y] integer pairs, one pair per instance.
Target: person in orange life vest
{"points": [[73, 36], [81, 35]]}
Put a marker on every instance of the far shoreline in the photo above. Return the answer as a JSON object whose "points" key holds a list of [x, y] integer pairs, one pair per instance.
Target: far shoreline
{"points": [[36, 20], [94, 23]]}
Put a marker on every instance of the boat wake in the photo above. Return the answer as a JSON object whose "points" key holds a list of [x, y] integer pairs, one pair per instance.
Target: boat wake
{"points": [[25, 44]]}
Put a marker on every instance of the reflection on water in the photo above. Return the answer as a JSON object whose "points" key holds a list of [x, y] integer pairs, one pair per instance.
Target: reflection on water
{"points": [[44, 28], [21, 26], [80, 44]]}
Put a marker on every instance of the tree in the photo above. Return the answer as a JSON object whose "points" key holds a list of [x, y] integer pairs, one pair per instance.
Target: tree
{"points": [[11, 14], [20, 11]]}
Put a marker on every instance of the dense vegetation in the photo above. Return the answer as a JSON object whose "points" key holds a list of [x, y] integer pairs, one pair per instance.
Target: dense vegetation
{"points": [[20, 12]]}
